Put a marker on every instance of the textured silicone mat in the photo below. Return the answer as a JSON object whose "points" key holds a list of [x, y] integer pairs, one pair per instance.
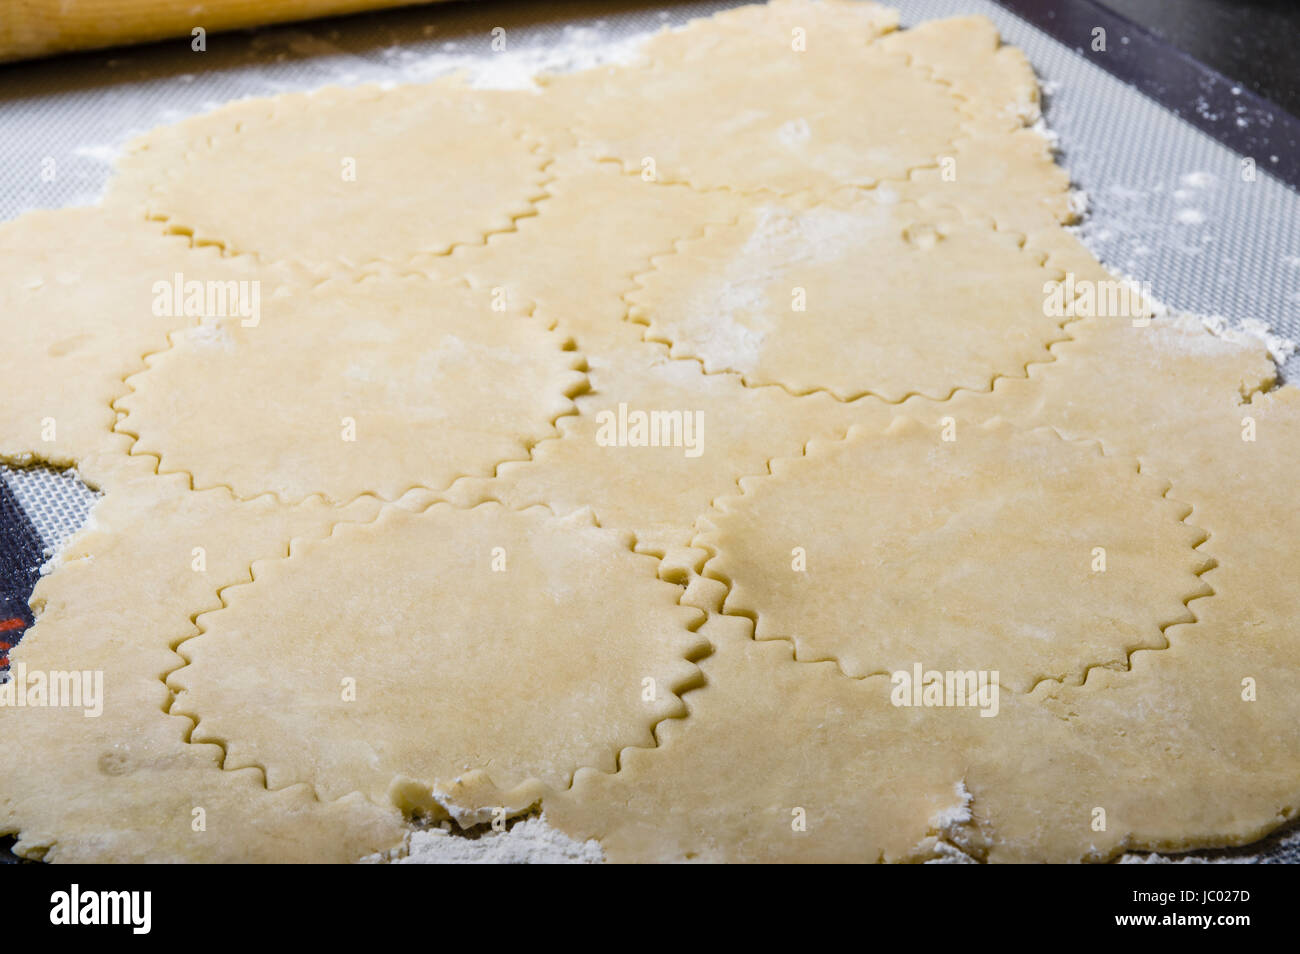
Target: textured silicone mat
{"points": [[1166, 202]]}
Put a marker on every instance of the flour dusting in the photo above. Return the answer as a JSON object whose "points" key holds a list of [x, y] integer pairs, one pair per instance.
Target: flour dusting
{"points": [[580, 48], [729, 320], [1223, 334], [531, 841], [947, 830]]}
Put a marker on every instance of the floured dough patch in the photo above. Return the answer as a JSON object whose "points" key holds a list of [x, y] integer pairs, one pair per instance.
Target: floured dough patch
{"points": [[864, 297], [996, 551], [1170, 392], [375, 387], [799, 97], [341, 177], [430, 645]]}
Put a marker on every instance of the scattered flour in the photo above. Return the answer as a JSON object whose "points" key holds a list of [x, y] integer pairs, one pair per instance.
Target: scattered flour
{"points": [[298, 60], [579, 48], [530, 841], [947, 821], [1249, 331], [794, 133], [98, 153], [946, 830], [1132, 859], [1280, 847], [1280, 348], [886, 194], [211, 333], [1053, 140], [729, 319]]}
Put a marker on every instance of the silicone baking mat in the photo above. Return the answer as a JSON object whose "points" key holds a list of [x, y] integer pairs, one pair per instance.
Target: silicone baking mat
{"points": [[1156, 152]]}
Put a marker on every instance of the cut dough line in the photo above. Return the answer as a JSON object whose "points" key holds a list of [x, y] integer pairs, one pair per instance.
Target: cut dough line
{"points": [[318, 274], [524, 797], [713, 599], [321, 272], [767, 193]]}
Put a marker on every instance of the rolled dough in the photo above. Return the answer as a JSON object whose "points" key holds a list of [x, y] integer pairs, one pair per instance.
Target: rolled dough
{"points": [[506, 274]]}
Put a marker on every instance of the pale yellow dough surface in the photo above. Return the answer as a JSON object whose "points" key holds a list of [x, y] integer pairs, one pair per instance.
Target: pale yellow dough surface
{"points": [[825, 298], [466, 639], [77, 305], [329, 179], [349, 388], [305, 637], [979, 552], [777, 117]]}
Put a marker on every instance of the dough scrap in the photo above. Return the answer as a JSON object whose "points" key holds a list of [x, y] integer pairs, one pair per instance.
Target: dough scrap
{"points": [[1001, 169], [341, 178], [843, 111], [476, 639], [1184, 752], [825, 297], [436, 381]]}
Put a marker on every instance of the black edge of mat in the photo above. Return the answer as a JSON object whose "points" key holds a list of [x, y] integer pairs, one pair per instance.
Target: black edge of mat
{"points": [[21, 555], [1245, 122]]}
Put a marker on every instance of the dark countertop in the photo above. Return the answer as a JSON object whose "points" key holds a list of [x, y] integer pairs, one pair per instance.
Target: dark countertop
{"points": [[1255, 42]]}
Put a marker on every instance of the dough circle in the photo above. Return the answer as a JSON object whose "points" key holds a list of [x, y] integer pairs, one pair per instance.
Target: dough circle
{"points": [[854, 298], [377, 387], [475, 639], [341, 177], [771, 105], [1002, 549]]}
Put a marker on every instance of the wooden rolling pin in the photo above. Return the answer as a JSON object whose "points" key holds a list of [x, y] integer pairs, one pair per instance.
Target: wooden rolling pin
{"points": [[30, 28]]}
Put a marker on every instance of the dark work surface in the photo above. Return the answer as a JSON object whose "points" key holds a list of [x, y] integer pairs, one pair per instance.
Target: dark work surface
{"points": [[1258, 129], [1255, 42]]}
